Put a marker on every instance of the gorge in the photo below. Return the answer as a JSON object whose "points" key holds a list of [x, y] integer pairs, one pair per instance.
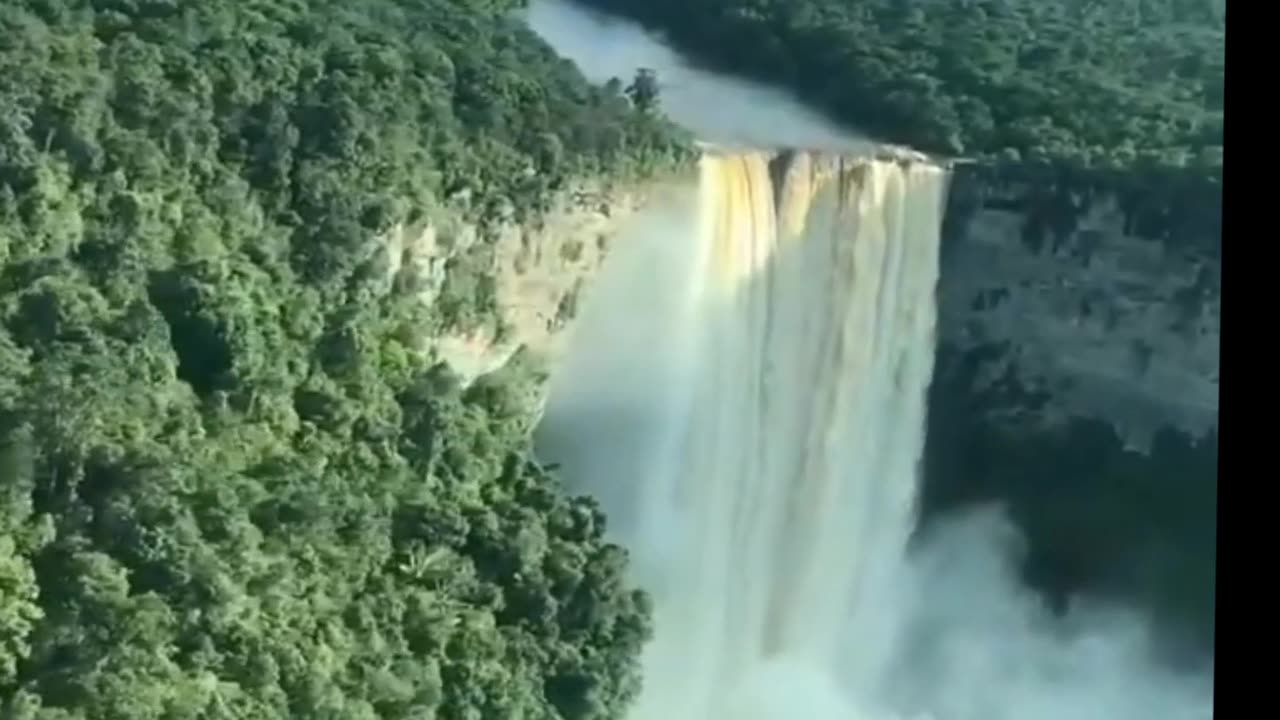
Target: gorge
{"points": [[745, 392]]}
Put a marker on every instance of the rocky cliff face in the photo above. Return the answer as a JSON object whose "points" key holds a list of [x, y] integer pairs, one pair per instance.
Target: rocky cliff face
{"points": [[533, 273], [1105, 323]]}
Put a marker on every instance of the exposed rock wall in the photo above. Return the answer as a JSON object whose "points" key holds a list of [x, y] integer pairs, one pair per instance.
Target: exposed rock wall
{"points": [[1109, 324], [537, 270]]}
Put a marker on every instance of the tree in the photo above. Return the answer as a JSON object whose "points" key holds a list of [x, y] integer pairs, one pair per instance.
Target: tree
{"points": [[643, 90]]}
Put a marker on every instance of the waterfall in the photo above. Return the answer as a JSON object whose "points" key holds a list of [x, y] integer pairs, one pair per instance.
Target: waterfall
{"points": [[744, 394], [765, 476]]}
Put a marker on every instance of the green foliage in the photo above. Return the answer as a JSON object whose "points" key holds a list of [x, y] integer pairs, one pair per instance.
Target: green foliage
{"points": [[643, 90], [230, 485], [1080, 82]]}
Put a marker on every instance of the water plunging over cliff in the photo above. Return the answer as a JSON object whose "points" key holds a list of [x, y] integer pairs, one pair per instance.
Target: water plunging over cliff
{"points": [[794, 421]]}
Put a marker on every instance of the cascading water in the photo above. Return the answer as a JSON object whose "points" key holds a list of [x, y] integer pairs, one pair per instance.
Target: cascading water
{"points": [[785, 489]]}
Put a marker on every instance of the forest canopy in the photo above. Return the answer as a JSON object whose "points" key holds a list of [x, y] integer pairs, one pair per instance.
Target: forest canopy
{"points": [[231, 485], [1119, 84]]}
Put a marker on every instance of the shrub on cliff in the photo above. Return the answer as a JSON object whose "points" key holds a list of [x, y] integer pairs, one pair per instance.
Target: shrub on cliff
{"points": [[229, 485]]}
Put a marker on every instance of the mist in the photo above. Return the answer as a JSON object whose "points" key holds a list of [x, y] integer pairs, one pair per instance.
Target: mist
{"points": [[744, 394]]}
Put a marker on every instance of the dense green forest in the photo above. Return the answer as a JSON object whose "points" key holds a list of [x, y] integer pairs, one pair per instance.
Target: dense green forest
{"points": [[232, 485], [1122, 84]]}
